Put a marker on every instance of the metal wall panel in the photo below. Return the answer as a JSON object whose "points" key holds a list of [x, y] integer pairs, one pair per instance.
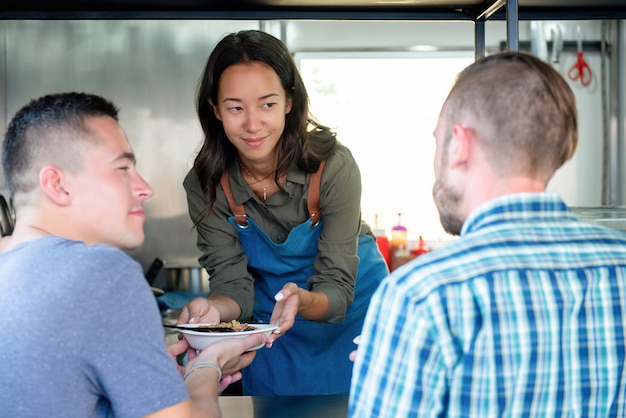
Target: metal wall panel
{"points": [[3, 111], [150, 69]]}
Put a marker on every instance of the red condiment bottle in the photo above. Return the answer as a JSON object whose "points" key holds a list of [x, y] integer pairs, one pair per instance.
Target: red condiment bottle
{"points": [[382, 241], [399, 245], [383, 245], [420, 249]]}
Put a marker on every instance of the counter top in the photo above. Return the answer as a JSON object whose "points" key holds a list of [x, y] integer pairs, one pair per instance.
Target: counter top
{"points": [[314, 406]]}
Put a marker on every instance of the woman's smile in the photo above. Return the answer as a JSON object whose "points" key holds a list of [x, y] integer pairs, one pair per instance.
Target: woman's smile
{"points": [[252, 104]]}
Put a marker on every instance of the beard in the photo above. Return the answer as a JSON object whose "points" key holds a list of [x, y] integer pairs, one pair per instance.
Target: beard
{"points": [[447, 201]]}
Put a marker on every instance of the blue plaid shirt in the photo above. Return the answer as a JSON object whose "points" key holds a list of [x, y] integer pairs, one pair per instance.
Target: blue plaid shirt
{"points": [[522, 316]]}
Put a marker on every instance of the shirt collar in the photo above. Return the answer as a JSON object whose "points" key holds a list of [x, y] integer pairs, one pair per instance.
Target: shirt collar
{"points": [[242, 193], [518, 207]]}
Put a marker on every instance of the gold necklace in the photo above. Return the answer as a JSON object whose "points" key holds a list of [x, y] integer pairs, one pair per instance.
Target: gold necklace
{"points": [[256, 181]]}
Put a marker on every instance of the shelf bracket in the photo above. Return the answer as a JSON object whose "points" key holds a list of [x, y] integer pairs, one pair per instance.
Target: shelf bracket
{"points": [[512, 24], [479, 39]]}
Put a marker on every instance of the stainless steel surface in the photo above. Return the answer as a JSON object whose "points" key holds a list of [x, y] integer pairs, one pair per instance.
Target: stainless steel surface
{"points": [[609, 216], [618, 123], [3, 101], [150, 69], [614, 184], [192, 279], [170, 317]]}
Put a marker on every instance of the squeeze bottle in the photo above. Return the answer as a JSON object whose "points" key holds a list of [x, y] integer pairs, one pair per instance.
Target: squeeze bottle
{"points": [[399, 245]]}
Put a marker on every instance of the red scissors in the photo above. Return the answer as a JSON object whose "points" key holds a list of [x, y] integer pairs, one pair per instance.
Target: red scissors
{"points": [[580, 70]]}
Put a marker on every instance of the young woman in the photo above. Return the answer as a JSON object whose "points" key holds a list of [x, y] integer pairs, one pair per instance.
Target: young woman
{"points": [[276, 203]]}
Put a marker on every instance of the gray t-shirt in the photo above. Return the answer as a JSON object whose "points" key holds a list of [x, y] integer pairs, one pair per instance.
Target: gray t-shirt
{"points": [[80, 334]]}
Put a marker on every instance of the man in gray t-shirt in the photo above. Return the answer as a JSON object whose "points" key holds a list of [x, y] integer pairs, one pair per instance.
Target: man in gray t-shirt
{"points": [[80, 329]]}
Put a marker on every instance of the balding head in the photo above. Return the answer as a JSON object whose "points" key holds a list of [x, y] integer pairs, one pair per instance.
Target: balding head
{"points": [[522, 110]]}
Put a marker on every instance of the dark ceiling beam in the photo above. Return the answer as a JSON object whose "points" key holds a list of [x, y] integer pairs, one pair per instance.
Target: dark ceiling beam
{"points": [[262, 10]]}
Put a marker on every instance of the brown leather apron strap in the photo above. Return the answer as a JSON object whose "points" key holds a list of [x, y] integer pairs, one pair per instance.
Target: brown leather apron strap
{"points": [[314, 194], [313, 197], [237, 210]]}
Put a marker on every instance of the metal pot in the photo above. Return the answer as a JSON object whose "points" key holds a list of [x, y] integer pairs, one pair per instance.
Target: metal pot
{"points": [[193, 279]]}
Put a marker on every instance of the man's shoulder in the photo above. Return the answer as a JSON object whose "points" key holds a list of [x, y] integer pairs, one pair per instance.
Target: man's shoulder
{"points": [[72, 255], [61, 244], [444, 266]]}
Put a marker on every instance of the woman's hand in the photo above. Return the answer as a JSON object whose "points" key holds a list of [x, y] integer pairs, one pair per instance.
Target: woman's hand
{"points": [[353, 354], [213, 310], [199, 311], [292, 301], [285, 311]]}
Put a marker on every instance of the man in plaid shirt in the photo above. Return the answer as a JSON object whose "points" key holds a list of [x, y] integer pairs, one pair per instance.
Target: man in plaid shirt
{"points": [[524, 314]]}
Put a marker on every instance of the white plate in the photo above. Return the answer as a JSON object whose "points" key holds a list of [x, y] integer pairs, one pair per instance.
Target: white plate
{"points": [[200, 340]]}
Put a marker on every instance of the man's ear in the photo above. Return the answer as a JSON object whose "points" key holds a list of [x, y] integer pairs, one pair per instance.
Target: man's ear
{"points": [[461, 146], [52, 181]]}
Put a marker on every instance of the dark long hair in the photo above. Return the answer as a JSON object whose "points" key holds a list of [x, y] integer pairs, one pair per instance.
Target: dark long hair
{"points": [[304, 142]]}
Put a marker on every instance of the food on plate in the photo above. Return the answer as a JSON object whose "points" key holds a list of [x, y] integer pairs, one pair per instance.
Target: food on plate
{"points": [[233, 325]]}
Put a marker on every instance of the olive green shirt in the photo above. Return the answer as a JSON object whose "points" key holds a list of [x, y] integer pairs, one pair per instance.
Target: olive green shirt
{"points": [[336, 263]]}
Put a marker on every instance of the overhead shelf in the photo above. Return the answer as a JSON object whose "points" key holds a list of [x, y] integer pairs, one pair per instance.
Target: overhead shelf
{"points": [[472, 10], [478, 11]]}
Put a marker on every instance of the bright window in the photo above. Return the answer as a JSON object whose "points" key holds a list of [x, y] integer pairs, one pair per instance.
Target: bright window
{"points": [[384, 107]]}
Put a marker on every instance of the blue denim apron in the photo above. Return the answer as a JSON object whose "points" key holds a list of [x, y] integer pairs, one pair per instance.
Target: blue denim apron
{"points": [[311, 358]]}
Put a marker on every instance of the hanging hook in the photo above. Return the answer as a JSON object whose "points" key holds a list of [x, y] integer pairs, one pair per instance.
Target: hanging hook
{"points": [[557, 46]]}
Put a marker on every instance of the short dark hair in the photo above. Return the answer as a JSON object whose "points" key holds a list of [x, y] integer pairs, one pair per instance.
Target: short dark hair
{"points": [[38, 127]]}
